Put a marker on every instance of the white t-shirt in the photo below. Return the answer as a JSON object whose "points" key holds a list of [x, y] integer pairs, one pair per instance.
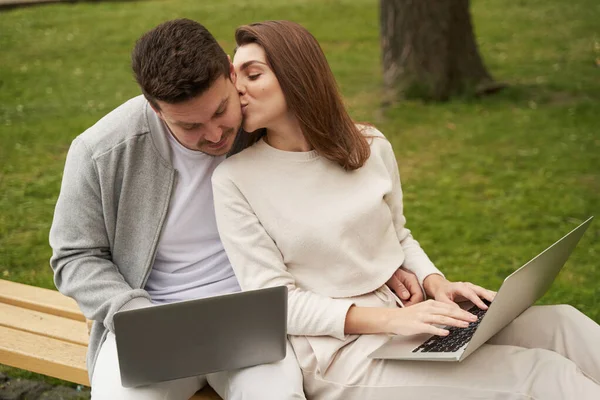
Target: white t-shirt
{"points": [[190, 260]]}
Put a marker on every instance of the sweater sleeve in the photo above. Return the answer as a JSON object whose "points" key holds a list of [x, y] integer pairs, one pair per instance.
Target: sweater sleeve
{"points": [[415, 258], [258, 263], [81, 257]]}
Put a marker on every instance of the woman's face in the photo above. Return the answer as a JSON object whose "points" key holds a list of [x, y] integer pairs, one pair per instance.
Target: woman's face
{"points": [[262, 100]]}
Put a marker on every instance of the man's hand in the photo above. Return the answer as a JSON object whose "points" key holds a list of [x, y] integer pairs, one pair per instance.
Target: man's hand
{"points": [[448, 292], [406, 286]]}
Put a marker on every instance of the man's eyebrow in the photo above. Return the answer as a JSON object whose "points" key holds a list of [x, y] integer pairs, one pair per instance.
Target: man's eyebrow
{"points": [[249, 63], [187, 124]]}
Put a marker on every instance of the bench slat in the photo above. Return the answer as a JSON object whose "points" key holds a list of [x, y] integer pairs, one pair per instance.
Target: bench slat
{"points": [[39, 299], [43, 324], [43, 355], [55, 358]]}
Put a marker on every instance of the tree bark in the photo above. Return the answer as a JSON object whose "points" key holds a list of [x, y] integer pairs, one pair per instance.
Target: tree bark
{"points": [[429, 50]]}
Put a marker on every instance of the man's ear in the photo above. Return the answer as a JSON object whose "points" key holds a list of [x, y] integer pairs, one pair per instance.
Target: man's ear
{"points": [[232, 74]]}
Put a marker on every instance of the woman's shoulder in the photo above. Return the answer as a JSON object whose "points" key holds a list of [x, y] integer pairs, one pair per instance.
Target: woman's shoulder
{"points": [[369, 130], [375, 137], [233, 165]]}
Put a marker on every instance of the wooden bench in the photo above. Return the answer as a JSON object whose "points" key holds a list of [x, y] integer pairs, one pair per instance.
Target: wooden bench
{"points": [[43, 331]]}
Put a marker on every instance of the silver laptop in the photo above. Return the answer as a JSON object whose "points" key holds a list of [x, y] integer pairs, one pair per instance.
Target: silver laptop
{"points": [[518, 292], [197, 337]]}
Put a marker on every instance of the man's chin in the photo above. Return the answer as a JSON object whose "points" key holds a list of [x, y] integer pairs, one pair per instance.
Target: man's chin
{"points": [[216, 153]]}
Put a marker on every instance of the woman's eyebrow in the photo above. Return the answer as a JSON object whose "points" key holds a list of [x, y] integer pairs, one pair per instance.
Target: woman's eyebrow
{"points": [[249, 63]]}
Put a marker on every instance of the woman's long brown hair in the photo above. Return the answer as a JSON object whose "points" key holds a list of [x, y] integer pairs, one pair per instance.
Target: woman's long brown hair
{"points": [[310, 91]]}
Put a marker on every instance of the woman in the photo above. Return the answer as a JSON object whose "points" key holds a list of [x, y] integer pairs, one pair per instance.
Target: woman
{"points": [[315, 204]]}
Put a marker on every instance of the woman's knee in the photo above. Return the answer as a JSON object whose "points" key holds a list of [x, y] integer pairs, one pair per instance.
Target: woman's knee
{"points": [[565, 311], [560, 314], [550, 314]]}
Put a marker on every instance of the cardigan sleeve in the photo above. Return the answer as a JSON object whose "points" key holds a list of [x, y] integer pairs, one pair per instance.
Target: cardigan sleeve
{"points": [[415, 259], [81, 252], [258, 263]]}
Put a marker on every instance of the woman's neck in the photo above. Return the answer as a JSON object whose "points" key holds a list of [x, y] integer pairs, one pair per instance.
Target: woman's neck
{"points": [[287, 136]]}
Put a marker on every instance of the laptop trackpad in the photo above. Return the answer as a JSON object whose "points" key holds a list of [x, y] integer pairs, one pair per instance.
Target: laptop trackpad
{"points": [[399, 346]]}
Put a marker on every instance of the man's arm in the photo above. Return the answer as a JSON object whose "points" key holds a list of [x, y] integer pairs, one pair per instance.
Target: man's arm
{"points": [[81, 257], [406, 286]]}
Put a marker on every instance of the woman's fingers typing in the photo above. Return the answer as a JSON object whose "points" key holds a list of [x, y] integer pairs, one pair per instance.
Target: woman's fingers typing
{"points": [[475, 293], [484, 293], [445, 320], [452, 310], [454, 292], [469, 293], [427, 317], [434, 330]]}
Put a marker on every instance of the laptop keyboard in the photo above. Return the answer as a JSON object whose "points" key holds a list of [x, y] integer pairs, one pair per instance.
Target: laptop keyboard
{"points": [[455, 339]]}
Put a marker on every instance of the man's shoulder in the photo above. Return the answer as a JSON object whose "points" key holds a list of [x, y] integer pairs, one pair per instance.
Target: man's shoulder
{"points": [[121, 124]]}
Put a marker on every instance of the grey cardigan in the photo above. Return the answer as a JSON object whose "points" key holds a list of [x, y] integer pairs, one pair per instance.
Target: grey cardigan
{"points": [[115, 193]]}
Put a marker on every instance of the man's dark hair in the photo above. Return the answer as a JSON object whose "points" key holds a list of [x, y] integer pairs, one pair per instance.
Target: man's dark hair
{"points": [[177, 61]]}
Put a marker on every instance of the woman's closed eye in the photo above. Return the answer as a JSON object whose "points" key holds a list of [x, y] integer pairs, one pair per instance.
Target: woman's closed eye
{"points": [[253, 77]]}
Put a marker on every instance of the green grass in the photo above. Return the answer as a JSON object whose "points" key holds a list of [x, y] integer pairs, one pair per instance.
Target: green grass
{"points": [[488, 183]]}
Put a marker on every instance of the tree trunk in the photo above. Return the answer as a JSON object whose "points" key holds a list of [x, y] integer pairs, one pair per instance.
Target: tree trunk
{"points": [[429, 50]]}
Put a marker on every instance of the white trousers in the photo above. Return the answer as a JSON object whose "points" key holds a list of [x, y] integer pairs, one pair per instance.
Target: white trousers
{"points": [[276, 381], [548, 352]]}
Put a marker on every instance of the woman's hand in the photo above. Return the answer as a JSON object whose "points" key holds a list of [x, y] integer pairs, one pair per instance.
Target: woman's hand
{"points": [[421, 318], [442, 290]]}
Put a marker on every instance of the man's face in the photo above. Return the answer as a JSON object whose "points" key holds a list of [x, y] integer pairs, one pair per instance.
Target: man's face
{"points": [[208, 122]]}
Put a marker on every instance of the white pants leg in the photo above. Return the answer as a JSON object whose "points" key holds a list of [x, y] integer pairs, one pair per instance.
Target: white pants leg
{"points": [[106, 381], [281, 381], [277, 381]]}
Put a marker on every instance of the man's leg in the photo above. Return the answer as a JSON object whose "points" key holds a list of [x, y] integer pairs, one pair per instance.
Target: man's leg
{"points": [[559, 328], [277, 381], [106, 382]]}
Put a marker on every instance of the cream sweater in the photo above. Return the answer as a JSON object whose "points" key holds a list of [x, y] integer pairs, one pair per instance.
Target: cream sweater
{"points": [[299, 220]]}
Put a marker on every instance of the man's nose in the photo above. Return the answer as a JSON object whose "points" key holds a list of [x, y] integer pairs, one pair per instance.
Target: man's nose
{"points": [[213, 133]]}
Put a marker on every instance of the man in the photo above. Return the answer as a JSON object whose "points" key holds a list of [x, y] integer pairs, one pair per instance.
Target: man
{"points": [[134, 223]]}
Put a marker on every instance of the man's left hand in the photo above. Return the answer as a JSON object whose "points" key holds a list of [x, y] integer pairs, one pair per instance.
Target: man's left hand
{"points": [[406, 286]]}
